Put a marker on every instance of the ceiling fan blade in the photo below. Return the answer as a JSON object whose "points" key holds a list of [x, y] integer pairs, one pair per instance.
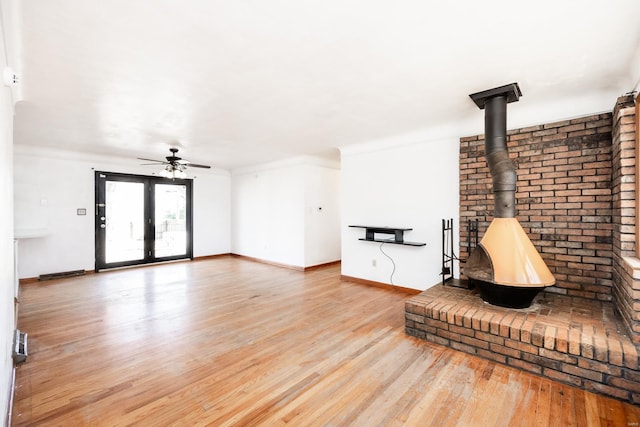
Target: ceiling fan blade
{"points": [[174, 161]]}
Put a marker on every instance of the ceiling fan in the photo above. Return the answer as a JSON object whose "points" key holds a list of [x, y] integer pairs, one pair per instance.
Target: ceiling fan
{"points": [[175, 166]]}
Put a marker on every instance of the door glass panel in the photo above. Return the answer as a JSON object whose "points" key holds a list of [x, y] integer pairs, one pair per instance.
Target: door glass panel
{"points": [[124, 221], [170, 220]]}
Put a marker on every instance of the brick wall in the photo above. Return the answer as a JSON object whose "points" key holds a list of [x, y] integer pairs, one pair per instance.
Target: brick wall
{"points": [[563, 198], [626, 278]]}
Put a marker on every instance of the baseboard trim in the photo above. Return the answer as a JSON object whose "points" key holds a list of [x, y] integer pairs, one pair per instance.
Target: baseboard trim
{"points": [[264, 261], [207, 257], [326, 264], [289, 266], [387, 286], [31, 280]]}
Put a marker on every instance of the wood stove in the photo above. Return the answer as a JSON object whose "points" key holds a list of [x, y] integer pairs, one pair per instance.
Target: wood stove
{"points": [[505, 266]]}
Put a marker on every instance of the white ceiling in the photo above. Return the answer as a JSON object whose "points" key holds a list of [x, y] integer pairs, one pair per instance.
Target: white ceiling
{"points": [[236, 83]]}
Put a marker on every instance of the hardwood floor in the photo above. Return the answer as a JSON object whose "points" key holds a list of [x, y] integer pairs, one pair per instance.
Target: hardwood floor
{"points": [[228, 341]]}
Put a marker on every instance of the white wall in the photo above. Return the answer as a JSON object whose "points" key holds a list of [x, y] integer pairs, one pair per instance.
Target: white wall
{"points": [[270, 211], [268, 219], [322, 215], [51, 184], [7, 276], [413, 186], [211, 213], [634, 69]]}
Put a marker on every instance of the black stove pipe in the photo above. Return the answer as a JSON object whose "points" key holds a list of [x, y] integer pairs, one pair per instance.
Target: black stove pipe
{"points": [[503, 172]]}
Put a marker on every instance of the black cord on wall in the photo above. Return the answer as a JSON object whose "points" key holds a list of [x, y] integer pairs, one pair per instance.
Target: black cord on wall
{"points": [[392, 262]]}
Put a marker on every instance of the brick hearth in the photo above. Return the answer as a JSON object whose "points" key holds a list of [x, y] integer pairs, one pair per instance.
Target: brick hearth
{"points": [[576, 341]]}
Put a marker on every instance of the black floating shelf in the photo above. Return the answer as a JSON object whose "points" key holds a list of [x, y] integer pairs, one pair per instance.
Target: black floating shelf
{"points": [[398, 235], [394, 242]]}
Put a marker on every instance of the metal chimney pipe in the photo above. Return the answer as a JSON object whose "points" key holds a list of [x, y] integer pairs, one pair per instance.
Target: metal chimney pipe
{"points": [[503, 172]]}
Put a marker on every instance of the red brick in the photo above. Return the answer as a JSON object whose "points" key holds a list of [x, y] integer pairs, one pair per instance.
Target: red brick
{"points": [[632, 386], [549, 338], [514, 329], [494, 325], [484, 322], [630, 355], [537, 335], [605, 389], [561, 357], [461, 330], [522, 346], [436, 324], [505, 350], [562, 377], [463, 347], [526, 366], [492, 356], [562, 344], [601, 350], [489, 338], [586, 346], [505, 325], [448, 335], [436, 339], [425, 328], [582, 373], [600, 367], [475, 342]]}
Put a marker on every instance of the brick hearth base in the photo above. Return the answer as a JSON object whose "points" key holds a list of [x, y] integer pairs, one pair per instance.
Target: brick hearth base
{"points": [[572, 340]]}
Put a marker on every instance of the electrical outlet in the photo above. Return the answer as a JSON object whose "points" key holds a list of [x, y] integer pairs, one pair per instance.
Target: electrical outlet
{"points": [[373, 262]]}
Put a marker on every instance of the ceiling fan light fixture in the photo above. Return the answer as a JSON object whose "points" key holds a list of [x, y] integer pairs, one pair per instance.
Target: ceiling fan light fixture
{"points": [[175, 166], [173, 172], [179, 174]]}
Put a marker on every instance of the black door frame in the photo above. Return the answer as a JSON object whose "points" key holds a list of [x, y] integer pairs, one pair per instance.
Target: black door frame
{"points": [[149, 182]]}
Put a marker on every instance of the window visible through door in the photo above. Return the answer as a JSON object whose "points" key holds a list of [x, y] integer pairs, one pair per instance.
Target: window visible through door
{"points": [[141, 219]]}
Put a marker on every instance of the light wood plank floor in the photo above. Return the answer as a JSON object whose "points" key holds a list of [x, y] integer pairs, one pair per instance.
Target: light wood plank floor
{"points": [[233, 342]]}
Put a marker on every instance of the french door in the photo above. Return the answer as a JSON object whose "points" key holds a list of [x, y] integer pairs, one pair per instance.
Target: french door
{"points": [[141, 219]]}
